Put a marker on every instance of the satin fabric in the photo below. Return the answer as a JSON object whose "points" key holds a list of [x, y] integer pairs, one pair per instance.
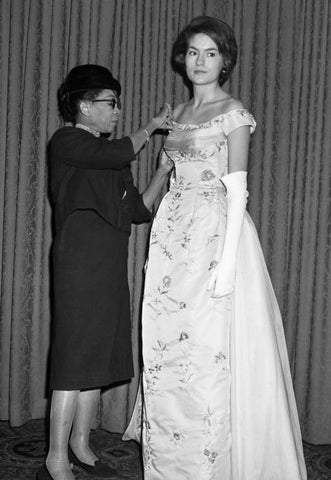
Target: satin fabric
{"points": [[266, 437], [217, 400]]}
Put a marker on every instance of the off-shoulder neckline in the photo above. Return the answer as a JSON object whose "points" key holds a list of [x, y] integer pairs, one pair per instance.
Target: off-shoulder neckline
{"points": [[212, 119]]}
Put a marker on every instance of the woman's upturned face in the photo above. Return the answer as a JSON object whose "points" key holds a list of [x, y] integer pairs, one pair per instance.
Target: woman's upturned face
{"points": [[203, 60], [103, 117]]}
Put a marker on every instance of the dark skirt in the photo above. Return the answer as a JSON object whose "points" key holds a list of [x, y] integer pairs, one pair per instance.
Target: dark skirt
{"points": [[91, 331]]}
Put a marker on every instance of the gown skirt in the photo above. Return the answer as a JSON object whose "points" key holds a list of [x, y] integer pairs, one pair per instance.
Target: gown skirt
{"points": [[91, 331], [216, 400]]}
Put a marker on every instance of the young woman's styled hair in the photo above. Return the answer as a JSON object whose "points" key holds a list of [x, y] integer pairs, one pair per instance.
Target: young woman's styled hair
{"points": [[219, 32]]}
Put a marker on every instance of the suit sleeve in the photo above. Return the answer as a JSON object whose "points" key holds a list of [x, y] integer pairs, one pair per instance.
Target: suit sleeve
{"points": [[140, 212], [133, 201], [78, 148]]}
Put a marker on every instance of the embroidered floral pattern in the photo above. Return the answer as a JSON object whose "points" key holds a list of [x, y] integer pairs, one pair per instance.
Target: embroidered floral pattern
{"points": [[221, 362], [147, 450], [207, 175], [177, 438], [186, 332], [160, 300], [211, 450], [185, 369], [153, 370]]}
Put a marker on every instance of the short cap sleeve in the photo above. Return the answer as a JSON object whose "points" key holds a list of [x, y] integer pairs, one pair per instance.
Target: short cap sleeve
{"points": [[236, 119]]}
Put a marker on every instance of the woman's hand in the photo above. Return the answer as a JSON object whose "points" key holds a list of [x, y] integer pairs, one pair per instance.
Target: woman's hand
{"points": [[163, 120], [157, 183], [222, 279], [166, 164]]}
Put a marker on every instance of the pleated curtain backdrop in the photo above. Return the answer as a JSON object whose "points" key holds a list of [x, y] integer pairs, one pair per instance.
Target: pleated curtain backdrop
{"points": [[282, 76]]}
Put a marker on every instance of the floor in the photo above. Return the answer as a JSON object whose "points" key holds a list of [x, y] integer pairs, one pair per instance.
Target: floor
{"points": [[23, 449]]}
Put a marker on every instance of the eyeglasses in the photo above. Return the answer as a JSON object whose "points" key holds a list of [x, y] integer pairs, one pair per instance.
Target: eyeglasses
{"points": [[112, 102]]}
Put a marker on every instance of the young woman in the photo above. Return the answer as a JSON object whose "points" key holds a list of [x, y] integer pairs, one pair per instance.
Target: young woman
{"points": [[218, 401]]}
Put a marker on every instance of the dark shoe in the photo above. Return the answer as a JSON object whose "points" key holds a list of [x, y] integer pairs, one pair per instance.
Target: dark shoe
{"points": [[43, 474], [99, 469]]}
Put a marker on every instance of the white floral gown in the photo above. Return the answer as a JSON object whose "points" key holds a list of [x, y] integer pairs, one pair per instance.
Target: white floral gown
{"points": [[217, 400]]}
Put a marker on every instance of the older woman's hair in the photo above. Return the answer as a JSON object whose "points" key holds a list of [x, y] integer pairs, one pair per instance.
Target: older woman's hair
{"points": [[219, 32], [84, 83], [68, 102]]}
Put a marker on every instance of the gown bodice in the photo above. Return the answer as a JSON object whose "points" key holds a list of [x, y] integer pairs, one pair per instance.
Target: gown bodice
{"points": [[200, 152]]}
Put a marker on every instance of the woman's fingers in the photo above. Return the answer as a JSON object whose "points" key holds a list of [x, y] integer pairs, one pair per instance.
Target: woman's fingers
{"points": [[166, 117], [219, 287]]}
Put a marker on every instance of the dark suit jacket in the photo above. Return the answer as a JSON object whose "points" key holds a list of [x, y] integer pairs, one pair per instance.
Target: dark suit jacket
{"points": [[89, 172]]}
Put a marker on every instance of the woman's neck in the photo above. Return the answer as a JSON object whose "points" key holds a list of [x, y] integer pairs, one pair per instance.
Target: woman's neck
{"points": [[88, 129], [203, 94]]}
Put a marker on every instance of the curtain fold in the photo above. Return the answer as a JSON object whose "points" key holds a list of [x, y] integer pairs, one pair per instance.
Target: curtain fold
{"points": [[282, 76]]}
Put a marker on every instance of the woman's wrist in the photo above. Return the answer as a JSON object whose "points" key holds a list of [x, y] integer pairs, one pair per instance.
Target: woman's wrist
{"points": [[162, 172], [141, 137], [150, 127]]}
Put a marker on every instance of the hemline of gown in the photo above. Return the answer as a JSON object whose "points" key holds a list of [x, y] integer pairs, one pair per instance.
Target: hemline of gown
{"points": [[265, 429]]}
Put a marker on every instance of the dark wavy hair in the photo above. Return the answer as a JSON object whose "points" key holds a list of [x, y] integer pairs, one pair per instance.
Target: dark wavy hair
{"points": [[68, 102], [219, 32]]}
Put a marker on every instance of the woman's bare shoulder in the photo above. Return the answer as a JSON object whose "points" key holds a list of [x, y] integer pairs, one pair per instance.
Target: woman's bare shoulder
{"points": [[179, 109], [232, 104]]}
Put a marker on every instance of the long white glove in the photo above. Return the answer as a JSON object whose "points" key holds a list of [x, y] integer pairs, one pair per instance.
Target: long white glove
{"points": [[223, 276]]}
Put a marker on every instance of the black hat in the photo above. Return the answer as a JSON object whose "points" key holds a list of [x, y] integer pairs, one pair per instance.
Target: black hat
{"points": [[90, 77]]}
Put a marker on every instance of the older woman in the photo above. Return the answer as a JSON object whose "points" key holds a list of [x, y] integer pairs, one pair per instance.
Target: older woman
{"points": [[95, 203]]}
